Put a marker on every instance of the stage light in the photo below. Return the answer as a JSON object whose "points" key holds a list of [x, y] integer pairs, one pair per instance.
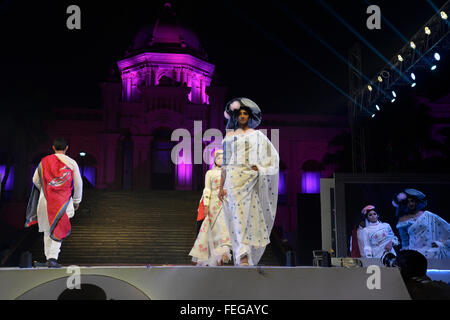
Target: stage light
{"points": [[437, 56], [369, 87], [413, 76], [427, 31], [378, 108], [393, 100], [444, 15], [373, 115], [433, 67], [380, 79], [400, 58], [413, 45], [82, 154], [394, 94], [413, 85]]}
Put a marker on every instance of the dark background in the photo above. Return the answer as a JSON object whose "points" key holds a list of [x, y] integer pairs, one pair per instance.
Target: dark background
{"points": [[41, 58]]}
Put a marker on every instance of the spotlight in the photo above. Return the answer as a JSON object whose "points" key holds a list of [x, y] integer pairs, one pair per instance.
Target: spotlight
{"points": [[444, 15], [369, 87], [427, 31], [393, 100], [413, 45], [413, 85], [433, 67], [394, 94], [437, 56], [380, 79], [373, 115], [400, 58], [378, 108], [82, 154]]}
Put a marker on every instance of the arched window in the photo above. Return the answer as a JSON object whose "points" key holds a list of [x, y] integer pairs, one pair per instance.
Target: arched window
{"points": [[165, 81]]}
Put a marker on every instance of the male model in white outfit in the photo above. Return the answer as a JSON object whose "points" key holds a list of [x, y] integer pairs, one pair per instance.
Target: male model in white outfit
{"points": [[60, 175]]}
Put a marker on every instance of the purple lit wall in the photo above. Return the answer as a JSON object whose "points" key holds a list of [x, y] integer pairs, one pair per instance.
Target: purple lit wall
{"points": [[10, 182], [282, 183], [194, 72], [90, 174], [311, 182], [183, 172]]}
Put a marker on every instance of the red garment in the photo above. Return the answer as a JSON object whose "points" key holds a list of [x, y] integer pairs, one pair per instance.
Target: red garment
{"points": [[201, 211], [57, 181], [355, 246]]}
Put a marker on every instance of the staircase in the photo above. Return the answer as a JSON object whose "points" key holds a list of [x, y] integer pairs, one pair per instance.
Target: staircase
{"points": [[141, 227]]}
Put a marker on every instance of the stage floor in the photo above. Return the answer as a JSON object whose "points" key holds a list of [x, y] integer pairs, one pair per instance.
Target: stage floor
{"points": [[177, 282]]}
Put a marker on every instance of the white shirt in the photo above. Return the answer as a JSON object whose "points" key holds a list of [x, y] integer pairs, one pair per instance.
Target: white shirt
{"points": [[376, 236]]}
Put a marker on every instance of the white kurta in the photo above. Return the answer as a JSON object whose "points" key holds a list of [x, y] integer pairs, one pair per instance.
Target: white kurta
{"points": [[213, 240], [375, 237], [419, 234], [42, 217], [251, 202]]}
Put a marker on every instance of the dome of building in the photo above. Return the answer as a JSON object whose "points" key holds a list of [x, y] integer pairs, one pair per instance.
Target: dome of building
{"points": [[168, 35]]}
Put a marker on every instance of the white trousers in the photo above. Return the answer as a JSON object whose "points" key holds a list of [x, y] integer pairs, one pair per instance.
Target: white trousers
{"points": [[51, 247]]}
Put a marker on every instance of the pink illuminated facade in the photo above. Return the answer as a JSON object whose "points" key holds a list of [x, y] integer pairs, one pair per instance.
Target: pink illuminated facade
{"points": [[165, 85]]}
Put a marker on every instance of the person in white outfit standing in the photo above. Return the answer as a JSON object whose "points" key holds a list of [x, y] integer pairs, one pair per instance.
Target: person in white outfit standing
{"points": [[213, 245], [54, 179], [249, 182], [378, 236]]}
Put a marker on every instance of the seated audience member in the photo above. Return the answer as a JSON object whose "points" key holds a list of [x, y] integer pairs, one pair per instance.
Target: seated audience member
{"points": [[413, 268]]}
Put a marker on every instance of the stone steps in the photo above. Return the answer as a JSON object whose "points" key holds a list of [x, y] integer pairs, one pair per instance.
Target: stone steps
{"points": [[142, 227]]}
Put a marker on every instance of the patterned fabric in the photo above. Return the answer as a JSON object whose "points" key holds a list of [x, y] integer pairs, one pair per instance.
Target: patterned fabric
{"points": [[56, 180], [31, 212], [213, 240], [251, 202], [419, 234], [376, 236]]}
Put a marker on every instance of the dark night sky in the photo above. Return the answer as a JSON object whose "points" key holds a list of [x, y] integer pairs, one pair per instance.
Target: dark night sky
{"points": [[40, 57]]}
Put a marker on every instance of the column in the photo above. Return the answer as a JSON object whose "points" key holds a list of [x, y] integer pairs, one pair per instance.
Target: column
{"points": [[128, 97], [124, 87], [153, 77], [183, 76], [148, 77], [203, 84]]}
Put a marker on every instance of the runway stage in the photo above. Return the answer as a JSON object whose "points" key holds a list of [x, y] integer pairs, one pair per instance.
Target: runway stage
{"points": [[206, 283]]}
